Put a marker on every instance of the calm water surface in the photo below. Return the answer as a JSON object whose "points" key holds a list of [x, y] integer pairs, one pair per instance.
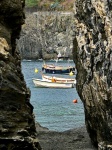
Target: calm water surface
{"points": [[53, 108]]}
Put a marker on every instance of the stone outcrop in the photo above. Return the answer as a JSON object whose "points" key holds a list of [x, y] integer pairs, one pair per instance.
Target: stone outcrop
{"points": [[17, 126], [93, 58], [45, 34]]}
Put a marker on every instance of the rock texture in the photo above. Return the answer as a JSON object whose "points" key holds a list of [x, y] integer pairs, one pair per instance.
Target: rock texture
{"points": [[17, 126], [45, 34], [93, 59]]}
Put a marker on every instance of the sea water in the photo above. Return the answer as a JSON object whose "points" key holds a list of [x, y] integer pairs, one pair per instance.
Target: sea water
{"points": [[53, 108]]}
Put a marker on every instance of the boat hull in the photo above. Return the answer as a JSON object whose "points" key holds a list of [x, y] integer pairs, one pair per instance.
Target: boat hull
{"points": [[51, 69], [46, 84], [58, 79]]}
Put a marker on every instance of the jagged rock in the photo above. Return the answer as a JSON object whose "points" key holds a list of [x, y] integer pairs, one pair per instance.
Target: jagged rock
{"points": [[17, 124], [93, 58], [45, 34]]}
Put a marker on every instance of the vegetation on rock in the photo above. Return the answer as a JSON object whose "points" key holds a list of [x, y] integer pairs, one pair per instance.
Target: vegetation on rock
{"points": [[30, 3], [51, 4]]}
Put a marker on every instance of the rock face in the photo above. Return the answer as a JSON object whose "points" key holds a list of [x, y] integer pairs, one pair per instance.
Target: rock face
{"points": [[46, 34], [17, 126], [93, 58]]}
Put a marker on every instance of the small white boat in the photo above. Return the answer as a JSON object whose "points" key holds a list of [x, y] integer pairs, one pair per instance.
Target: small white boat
{"points": [[50, 84], [58, 79]]}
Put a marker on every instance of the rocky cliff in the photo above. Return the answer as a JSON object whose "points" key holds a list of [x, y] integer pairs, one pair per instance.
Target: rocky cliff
{"points": [[45, 34], [93, 58], [17, 126]]}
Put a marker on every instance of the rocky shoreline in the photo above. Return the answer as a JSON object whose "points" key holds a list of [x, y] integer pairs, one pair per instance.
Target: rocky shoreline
{"points": [[74, 139]]}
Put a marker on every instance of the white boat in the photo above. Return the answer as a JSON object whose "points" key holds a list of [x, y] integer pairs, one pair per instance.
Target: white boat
{"points": [[58, 79], [49, 84]]}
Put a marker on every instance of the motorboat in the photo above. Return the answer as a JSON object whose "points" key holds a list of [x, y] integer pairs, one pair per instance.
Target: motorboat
{"points": [[52, 84], [52, 69], [58, 79]]}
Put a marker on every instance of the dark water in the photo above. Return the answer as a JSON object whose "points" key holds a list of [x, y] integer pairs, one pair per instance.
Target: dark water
{"points": [[53, 108]]}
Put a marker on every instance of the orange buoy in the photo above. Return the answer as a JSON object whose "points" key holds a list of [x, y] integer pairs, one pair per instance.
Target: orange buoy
{"points": [[75, 101]]}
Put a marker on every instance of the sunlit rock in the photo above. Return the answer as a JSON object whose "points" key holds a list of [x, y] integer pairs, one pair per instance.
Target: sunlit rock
{"points": [[93, 58], [49, 33]]}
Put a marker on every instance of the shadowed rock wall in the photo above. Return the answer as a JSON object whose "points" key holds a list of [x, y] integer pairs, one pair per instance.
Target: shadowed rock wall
{"points": [[93, 58], [17, 126]]}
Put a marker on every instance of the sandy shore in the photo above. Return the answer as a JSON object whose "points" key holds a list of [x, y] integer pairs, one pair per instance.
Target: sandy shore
{"points": [[74, 139]]}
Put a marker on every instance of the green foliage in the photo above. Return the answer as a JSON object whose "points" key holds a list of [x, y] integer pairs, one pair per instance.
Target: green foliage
{"points": [[31, 3], [50, 4]]}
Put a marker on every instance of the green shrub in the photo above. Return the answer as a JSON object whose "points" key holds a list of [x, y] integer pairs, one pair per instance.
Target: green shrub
{"points": [[31, 3]]}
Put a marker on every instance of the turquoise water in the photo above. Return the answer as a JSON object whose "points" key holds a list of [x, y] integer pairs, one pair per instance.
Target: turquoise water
{"points": [[53, 108]]}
